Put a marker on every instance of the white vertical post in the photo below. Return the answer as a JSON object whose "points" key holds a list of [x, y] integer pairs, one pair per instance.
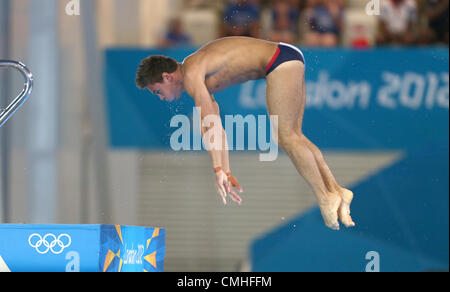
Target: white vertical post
{"points": [[4, 155], [96, 104], [106, 23], [153, 16], [43, 119]]}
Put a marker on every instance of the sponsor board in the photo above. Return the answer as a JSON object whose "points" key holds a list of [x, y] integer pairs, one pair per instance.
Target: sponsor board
{"points": [[81, 248]]}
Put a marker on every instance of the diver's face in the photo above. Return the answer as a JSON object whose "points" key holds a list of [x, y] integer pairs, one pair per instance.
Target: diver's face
{"points": [[167, 90]]}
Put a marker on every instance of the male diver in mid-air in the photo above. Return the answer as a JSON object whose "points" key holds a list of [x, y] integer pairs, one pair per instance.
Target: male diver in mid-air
{"points": [[230, 61]]}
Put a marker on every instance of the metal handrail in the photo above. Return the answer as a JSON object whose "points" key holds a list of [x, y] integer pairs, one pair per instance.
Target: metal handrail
{"points": [[7, 113]]}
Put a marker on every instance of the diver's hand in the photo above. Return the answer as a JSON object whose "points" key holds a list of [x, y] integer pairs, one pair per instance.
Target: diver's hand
{"points": [[234, 185], [227, 184], [222, 185]]}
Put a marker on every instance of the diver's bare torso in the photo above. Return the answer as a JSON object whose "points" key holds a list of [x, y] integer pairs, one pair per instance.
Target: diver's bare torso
{"points": [[230, 61]]}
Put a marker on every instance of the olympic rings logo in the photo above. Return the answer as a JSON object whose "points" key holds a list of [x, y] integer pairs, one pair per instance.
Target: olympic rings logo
{"points": [[49, 243]]}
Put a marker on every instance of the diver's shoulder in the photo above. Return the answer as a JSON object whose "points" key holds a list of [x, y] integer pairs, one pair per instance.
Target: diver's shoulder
{"points": [[193, 67]]}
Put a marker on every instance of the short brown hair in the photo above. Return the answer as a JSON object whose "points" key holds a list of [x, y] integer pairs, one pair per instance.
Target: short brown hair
{"points": [[150, 70]]}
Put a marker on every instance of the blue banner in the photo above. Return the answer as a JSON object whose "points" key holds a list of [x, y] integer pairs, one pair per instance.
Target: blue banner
{"points": [[375, 99], [81, 248]]}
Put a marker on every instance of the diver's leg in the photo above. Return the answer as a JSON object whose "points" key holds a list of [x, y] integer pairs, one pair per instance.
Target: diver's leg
{"points": [[286, 99]]}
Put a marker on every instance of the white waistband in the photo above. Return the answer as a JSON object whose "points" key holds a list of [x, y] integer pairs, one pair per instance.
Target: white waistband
{"points": [[293, 47]]}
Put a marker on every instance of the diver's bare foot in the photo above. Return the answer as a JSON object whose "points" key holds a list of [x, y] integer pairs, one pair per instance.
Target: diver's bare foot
{"points": [[344, 208], [329, 206]]}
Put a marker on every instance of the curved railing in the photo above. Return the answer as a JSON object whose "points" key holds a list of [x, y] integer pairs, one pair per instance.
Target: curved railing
{"points": [[6, 113]]}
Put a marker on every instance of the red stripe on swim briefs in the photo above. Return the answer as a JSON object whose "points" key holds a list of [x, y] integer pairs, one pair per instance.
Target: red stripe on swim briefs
{"points": [[273, 59]]}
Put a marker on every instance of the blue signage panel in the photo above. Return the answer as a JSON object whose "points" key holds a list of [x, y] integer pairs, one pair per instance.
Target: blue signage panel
{"points": [[374, 99], [81, 248]]}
